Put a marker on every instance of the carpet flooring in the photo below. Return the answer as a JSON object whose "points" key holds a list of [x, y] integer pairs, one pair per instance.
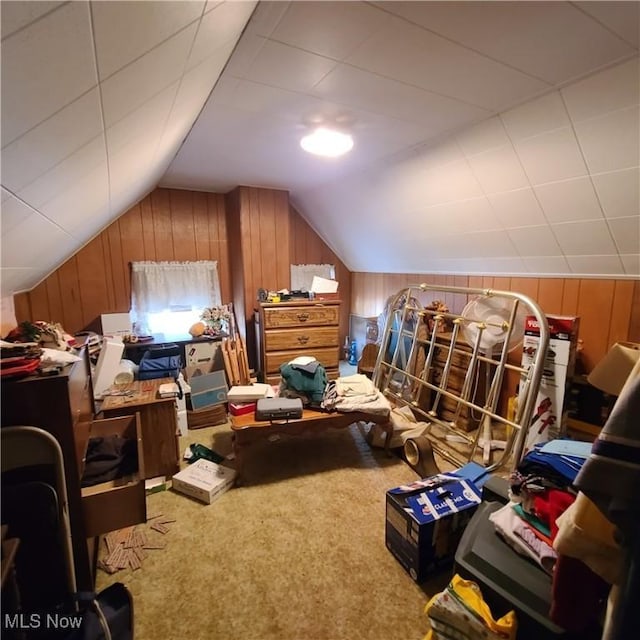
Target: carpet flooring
{"points": [[296, 552]]}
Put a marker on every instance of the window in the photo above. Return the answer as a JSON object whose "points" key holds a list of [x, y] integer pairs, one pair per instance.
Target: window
{"points": [[302, 275], [168, 297]]}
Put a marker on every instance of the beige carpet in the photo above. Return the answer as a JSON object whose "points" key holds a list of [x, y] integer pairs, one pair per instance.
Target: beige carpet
{"points": [[297, 552]]}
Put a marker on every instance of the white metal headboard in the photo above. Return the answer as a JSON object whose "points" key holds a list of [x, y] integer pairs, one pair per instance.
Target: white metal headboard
{"points": [[406, 371]]}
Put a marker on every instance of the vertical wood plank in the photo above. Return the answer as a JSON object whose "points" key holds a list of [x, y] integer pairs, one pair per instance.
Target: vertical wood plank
{"points": [[550, 295], [118, 272], [91, 282], [570, 295], [620, 311], [162, 229], [22, 307], [148, 231], [54, 295], [40, 303], [634, 322], [594, 308], [68, 274], [182, 225]]}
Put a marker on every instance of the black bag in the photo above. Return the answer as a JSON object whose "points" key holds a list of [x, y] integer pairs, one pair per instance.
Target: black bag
{"points": [[108, 616], [164, 362]]}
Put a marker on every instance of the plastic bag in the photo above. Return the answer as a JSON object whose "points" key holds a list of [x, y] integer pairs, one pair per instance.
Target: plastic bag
{"points": [[460, 611]]}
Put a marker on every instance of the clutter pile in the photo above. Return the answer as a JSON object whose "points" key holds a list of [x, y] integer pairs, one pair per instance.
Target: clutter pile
{"points": [[305, 378], [354, 393], [127, 548]]}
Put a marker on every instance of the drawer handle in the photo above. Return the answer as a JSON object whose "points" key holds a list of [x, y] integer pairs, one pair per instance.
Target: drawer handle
{"points": [[303, 339], [303, 317]]}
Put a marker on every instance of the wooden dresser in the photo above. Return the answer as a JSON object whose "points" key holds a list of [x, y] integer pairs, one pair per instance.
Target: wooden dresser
{"points": [[63, 405], [298, 328]]}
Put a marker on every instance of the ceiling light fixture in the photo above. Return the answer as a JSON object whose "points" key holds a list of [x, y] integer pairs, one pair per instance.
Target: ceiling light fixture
{"points": [[327, 142]]}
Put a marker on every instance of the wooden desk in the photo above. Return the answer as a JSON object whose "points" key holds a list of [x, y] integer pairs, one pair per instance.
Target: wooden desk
{"points": [[246, 429], [158, 421]]}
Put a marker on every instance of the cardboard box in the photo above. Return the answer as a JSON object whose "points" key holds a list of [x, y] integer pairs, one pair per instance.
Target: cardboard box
{"points": [[207, 390], [425, 520], [549, 419], [208, 417], [204, 480], [249, 392]]}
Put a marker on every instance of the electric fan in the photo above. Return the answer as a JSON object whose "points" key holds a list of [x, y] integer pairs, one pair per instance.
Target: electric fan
{"points": [[487, 323]]}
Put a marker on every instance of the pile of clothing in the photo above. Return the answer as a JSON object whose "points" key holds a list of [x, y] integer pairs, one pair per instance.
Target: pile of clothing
{"points": [[541, 491], [19, 359], [542, 495], [355, 393], [305, 378]]}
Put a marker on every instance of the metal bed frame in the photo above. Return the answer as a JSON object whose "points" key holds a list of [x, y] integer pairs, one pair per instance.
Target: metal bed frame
{"points": [[404, 371]]}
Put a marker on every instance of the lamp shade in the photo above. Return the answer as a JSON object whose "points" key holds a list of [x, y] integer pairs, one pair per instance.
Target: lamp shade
{"points": [[611, 373]]}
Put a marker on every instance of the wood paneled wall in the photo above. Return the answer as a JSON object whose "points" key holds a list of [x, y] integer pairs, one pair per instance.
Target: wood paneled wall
{"points": [[609, 309], [266, 236], [308, 248], [252, 233], [168, 224]]}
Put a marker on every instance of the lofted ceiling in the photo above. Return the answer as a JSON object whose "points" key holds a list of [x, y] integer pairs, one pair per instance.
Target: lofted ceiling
{"points": [[490, 137]]}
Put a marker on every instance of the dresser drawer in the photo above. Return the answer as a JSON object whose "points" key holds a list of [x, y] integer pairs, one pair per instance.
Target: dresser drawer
{"points": [[279, 317], [120, 502], [328, 357], [302, 338]]}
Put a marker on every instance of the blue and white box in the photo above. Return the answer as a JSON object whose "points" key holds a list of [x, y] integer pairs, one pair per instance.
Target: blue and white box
{"points": [[425, 520]]}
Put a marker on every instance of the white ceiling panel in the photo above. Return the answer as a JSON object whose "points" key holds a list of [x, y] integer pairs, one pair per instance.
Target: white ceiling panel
{"points": [[219, 29], [623, 18], [618, 192], [550, 156], [631, 264], [71, 209], [546, 264], [589, 237], [41, 248], [600, 265], [498, 169], [331, 29], [288, 68], [364, 90], [469, 119], [626, 233], [142, 127], [612, 89], [536, 116], [125, 31], [611, 141], [535, 241], [132, 86], [466, 75], [569, 200], [65, 174], [49, 143], [45, 66], [535, 37], [481, 137], [17, 14], [14, 212], [519, 208]]}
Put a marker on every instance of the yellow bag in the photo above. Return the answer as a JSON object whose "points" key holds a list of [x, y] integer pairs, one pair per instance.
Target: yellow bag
{"points": [[461, 611]]}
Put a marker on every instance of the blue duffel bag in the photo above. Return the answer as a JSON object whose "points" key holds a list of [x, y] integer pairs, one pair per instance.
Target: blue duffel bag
{"points": [[165, 366]]}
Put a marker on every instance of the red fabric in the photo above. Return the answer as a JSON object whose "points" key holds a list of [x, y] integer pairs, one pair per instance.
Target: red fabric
{"points": [[550, 505], [578, 595]]}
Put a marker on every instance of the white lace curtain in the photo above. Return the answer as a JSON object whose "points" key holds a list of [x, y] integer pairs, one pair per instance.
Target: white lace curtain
{"points": [[302, 275], [157, 286]]}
